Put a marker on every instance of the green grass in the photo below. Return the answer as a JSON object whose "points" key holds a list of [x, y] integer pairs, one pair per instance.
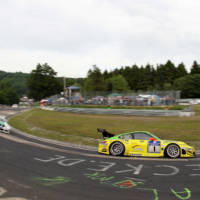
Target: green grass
{"points": [[81, 128], [196, 109]]}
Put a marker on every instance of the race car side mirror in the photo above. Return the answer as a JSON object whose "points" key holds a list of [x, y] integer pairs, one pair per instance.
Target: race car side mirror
{"points": [[152, 139]]}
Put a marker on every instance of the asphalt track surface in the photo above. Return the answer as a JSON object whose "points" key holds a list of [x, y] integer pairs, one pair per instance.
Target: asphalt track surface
{"points": [[31, 169]]}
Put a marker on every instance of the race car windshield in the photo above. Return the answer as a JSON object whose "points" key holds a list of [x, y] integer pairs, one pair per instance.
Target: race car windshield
{"points": [[139, 135], [143, 136]]}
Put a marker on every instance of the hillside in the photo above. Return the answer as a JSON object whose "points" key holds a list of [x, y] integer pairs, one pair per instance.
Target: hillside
{"points": [[16, 80]]}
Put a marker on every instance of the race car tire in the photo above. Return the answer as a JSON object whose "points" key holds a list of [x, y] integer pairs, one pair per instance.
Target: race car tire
{"points": [[172, 151], [117, 149]]}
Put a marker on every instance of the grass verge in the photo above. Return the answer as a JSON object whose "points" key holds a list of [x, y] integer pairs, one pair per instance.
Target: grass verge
{"points": [[81, 128]]}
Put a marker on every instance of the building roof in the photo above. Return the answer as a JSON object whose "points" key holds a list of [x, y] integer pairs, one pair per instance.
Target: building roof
{"points": [[74, 88]]}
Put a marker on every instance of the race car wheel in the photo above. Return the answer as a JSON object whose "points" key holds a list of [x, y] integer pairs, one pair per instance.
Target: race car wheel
{"points": [[172, 151], [117, 149]]}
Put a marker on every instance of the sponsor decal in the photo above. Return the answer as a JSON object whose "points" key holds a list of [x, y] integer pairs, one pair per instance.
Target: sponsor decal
{"points": [[154, 147], [138, 149]]}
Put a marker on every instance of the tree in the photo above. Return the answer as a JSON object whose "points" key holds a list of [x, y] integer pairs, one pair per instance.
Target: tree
{"points": [[195, 69], [42, 82], [167, 87], [3, 99], [106, 75], [181, 71], [189, 86], [94, 81], [131, 74], [17, 80], [11, 96], [8, 93], [145, 78], [165, 74], [117, 84]]}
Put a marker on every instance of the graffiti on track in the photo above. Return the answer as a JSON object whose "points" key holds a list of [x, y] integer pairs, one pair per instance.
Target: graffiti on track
{"points": [[52, 181], [135, 183], [122, 174], [183, 195]]}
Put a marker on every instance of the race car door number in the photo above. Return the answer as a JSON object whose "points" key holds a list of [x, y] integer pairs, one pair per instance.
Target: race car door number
{"points": [[154, 147]]}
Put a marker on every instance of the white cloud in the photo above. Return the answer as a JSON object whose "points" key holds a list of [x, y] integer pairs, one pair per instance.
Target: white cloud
{"points": [[73, 35]]}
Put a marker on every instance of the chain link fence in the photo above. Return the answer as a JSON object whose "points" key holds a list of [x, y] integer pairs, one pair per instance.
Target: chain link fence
{"points": [[155, 98]]}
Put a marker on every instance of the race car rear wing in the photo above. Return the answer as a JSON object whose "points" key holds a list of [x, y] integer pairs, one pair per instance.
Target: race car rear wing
{"points": [[105, 133]]}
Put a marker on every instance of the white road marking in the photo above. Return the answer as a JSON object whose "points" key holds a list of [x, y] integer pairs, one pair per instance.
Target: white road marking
{"points": [[198, 169], [75, 161], [3, 191], [104, 167], [57, 157], [136, 170], [174, 172]]}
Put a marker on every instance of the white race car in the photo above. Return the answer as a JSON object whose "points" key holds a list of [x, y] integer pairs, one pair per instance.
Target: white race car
{"points": [[4, 127]]}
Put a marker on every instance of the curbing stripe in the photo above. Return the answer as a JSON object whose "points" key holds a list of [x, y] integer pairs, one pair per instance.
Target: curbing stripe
{"points": [[50, 141]]}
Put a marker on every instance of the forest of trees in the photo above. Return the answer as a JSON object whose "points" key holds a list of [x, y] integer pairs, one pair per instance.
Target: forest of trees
{"points": [[163, 77], [43, 82], [12, 87]]}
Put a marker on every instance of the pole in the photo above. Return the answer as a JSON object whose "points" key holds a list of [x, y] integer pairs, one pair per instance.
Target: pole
{"points": [[64, 84]]}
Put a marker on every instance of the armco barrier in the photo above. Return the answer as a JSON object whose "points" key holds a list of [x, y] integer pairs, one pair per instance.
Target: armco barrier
{"points": [[132, 112]]}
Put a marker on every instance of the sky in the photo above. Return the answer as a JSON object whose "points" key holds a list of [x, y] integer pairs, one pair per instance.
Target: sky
{"points": [[72, 36]]}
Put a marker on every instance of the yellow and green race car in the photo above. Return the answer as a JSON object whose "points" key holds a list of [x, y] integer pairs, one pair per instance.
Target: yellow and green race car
{"points": [[142, 143]]}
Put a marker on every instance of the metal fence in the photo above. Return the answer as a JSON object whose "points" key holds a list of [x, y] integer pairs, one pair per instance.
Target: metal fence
{"points": [[155, 98]]}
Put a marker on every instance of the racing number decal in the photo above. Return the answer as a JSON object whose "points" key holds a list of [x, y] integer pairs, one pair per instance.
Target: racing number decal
{"points": [[154, 147]]}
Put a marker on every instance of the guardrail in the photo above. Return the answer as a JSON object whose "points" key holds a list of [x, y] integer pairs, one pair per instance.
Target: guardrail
{"points": [[130, 112]]}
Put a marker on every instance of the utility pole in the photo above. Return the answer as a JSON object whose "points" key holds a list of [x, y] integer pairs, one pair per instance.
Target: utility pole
{"points": [[64, 83]]}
